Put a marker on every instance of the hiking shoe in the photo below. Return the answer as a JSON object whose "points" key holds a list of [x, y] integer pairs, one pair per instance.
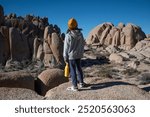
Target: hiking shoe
{"points": [[82, 85], [72, 88]]}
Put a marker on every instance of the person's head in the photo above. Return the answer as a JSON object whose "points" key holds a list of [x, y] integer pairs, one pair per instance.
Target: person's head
{"points": [[72, 24]]}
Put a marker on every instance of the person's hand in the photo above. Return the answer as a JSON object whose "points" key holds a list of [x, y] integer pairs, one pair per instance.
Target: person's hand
{"points": [[66, 60]]}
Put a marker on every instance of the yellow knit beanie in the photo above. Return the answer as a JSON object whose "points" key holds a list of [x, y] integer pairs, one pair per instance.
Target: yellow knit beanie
{"points": [[72, 24]]}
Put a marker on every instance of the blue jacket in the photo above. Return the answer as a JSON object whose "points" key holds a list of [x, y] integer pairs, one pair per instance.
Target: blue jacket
{"points": [[73, 45]]}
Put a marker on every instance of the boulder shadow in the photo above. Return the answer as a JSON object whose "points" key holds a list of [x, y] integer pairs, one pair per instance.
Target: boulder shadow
{"points": [[147, 89], [91, 62]]}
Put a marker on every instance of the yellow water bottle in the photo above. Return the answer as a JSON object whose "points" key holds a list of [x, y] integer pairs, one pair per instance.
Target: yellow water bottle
{"points": [[66, 73]]}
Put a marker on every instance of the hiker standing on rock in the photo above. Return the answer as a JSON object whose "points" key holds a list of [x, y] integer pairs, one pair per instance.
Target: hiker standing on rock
{"points": [[73, 52]]}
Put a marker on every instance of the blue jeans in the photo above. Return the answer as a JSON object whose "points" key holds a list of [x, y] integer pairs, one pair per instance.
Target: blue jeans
{"points": [[75, 69]]}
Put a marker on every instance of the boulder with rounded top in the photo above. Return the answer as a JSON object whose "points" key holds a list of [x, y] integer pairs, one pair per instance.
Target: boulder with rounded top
{"points": [[49, 79]]}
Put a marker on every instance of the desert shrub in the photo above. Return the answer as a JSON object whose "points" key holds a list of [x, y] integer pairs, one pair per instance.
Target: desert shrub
{"points": [[144, 78], [130, 72]]}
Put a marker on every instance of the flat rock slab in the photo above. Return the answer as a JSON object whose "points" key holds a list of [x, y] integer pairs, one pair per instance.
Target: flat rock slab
{"points": [[99, 90], [18, 94]]}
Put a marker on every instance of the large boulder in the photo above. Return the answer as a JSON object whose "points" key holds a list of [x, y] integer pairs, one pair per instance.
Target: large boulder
{"points": [[53, 47], [18, 94], [146, 52], [49, 79], [140, 45], [104, 34], [116, 38], [109, 38], [19, 48], [95, 32], [99, 90], [56, 46], [17, 79], [116, 58], [6, 48], [4, 45], [1, 15], [38, 53], [130, 40], [2, 50], [47, 39]]}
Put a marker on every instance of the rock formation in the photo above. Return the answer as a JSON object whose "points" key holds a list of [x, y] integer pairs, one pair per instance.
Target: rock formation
{"points": [[29, 38], [18, 94], [121, 36], [31, 58], [17, 79], [100, 90], [49, 79], [1, 15]]}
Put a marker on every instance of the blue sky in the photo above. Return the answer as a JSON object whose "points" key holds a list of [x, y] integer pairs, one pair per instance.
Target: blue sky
{"points": [[88, 13]]}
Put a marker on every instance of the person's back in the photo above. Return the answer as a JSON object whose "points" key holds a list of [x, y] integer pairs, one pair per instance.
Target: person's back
{"points": [[73, 52], [74, 44]]}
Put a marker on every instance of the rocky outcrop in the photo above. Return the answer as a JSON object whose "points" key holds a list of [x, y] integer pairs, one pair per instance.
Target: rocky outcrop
{"points": [[1, 15], [4, 45], [29, 38], [53, 47], [56, 46], [18, 94], [99, 90], [19, 48], [17, 79], [141, 50], [122, 36], [49, 79]]}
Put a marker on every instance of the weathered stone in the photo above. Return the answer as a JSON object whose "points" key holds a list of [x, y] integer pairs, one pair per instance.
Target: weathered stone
{"points": [[133, 64], [1, 15], [95, 34], [5, 35], [50, 78], [123, 36], [116, 58], [137, 55], [56, 46], [116, 38], [49, 60], [2, 58], [144, 78], [111, 49], [116, 90], [129, 34], [146, 52], [104, 34], [17, 79], [57, 29], [48, 30], [121, 25], [138, 33], [140, 45], [19, 48], [40, 53], [124, 55], [18, 94], [46, 45], [38, 49]]}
